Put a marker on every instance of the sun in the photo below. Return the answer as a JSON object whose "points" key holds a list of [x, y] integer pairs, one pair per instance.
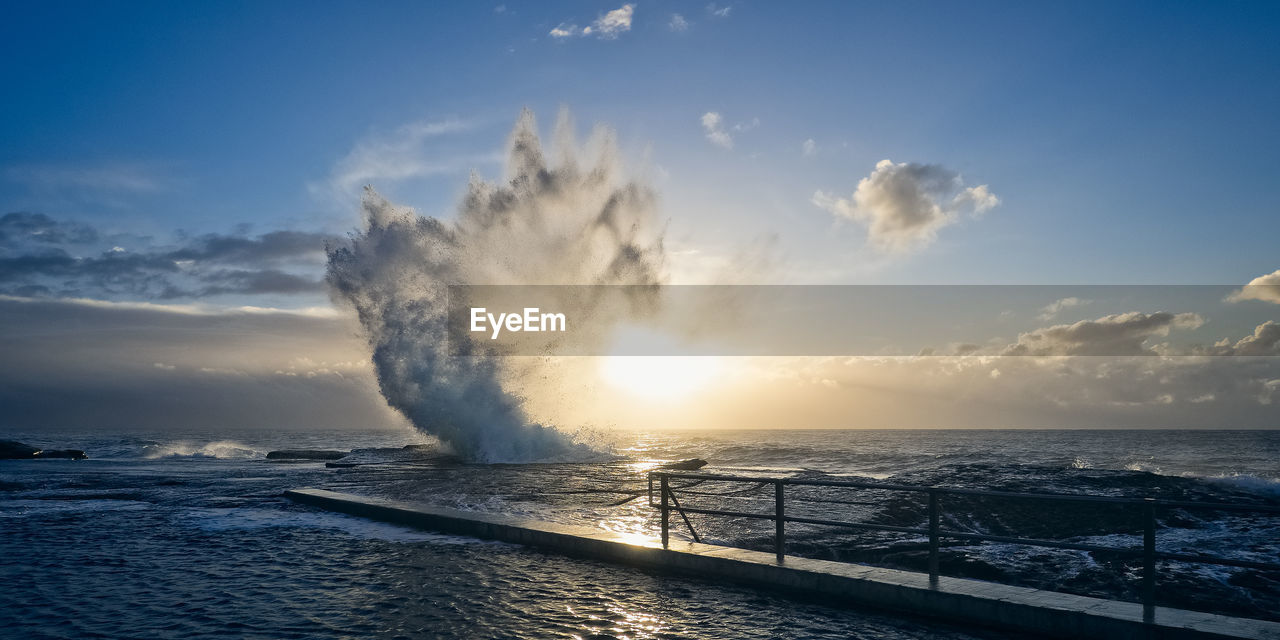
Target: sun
{"points": [[660, 377]]}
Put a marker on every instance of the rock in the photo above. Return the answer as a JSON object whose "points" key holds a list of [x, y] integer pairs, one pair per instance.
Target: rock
{"points": [[306, 454], [692, 464], [11, 450], [72, 454]]}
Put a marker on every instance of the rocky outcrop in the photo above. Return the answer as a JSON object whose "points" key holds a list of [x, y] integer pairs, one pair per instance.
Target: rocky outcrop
{"points": [[12, 450], [306, 454], [71, 454], [692, 464]]}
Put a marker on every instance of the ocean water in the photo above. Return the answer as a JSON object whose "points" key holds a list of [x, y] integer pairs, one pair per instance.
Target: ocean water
{"points": [[185, 534]]}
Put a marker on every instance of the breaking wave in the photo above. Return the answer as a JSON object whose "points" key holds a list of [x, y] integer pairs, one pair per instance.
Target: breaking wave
{"points": [[550, 222], [224, 449]]}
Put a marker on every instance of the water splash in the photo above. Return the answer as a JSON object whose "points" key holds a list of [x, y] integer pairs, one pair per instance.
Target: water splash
{"points": [[221, 449], [549, 222]]}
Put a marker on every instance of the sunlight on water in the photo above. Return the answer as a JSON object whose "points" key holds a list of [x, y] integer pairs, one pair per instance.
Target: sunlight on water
{"points": [[620, 622], [135, 520]]}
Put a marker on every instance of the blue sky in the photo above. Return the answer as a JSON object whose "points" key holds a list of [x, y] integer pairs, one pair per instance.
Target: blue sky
{"points": [[1127, 142], [180, 159]]}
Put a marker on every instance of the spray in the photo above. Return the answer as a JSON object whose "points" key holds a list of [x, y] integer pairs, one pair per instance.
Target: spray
{"points": [[561, 221]]}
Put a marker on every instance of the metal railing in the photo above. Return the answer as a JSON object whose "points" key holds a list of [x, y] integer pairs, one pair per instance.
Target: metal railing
{"points": [[1147, 506]]}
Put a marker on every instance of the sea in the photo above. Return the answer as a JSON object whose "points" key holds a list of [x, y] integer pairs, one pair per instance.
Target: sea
{"points": [[185, 534]]}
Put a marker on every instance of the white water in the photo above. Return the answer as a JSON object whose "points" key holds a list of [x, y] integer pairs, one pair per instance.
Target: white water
{"points": [[560, 221]]}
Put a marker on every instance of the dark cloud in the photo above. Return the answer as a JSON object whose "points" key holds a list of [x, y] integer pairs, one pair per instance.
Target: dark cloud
{"points": [[251, 282], [164, 366], [269, 248], [40, 256], [37, 228]]}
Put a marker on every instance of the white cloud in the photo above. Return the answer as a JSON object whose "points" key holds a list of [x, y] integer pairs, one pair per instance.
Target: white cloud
{"points": [[1269, 390], [502, 8], [383, 159], [809, 147], [564, 31], [1265, 288], [1052, 309], [979, 198], [205, 310], [1122, 334], [714, 126], [904, 205], [114, 178], [1265, 341], [678, 23], [606, 27], [718, 11]]}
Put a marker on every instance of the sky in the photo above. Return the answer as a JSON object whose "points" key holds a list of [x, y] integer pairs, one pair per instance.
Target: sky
{"points": [[171, 173]]}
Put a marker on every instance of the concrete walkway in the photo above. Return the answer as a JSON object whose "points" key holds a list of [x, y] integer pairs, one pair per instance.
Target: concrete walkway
{"points": [[956, 600]]}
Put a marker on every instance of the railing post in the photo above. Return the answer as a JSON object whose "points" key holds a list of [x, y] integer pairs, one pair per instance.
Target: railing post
{"points": [[780, 521], [1149, 560], [666, 515], [933, 535]]}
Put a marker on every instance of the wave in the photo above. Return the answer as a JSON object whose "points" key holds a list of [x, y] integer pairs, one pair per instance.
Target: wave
{"points": [[221, 449], [556, 220], [215, 520], [1250, 483]]}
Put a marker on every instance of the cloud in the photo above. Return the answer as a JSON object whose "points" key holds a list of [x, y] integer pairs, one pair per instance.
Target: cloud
{"points": [[130, 178], [987, 391], [402, 155], [713, 124], [904, 205], [43, 257], [610, 25], [247, 282], [1052, 309], [1123, 334], [1265, 288], [717, 11], [678, 23], [606, 27], [563, 30], [269, 248], [24, 229], [978, 199], [808, 147], [1265, 341], [167, 366]]}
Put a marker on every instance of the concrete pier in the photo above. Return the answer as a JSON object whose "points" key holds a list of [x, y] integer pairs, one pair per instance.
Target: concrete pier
{"points": [[957, 600]]}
